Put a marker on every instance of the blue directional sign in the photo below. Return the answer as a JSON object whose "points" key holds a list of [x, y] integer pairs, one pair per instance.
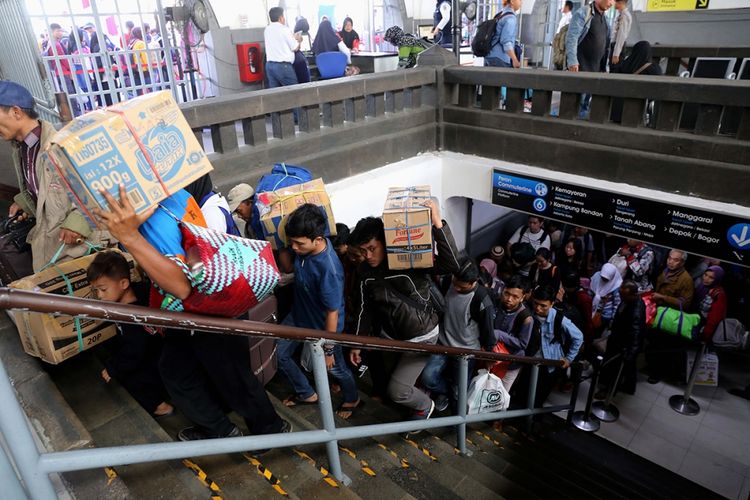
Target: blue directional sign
{"points": [[739, 236]]}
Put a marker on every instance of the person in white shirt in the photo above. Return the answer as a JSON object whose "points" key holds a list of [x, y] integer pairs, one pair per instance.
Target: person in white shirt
{"points": [[567, 13], [281, 44], [442, 23], [623, 22], [532, 233]]}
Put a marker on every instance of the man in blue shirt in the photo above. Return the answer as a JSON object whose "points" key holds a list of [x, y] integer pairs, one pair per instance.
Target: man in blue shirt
{"points": [[503, 53], [559, 339], [318, 304]]}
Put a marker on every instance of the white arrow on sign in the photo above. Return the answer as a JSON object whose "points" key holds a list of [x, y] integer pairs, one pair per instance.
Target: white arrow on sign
{"points": [[742, 240]]}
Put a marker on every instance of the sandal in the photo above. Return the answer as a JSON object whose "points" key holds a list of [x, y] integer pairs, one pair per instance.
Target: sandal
{"points": [[295, 400], [352, 410]]}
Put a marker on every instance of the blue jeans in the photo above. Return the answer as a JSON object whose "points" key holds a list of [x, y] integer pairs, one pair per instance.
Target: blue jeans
{"points": [[285, 350], [441, 371], [496, 62], [280, 74]]}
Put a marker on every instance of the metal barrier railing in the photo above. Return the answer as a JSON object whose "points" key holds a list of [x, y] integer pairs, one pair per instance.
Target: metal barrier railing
{"points": [[34, 466]]}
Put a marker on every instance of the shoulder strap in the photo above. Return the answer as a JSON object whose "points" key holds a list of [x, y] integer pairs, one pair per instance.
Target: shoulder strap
{"points": [[557, 327], [642, 68], [520, 318]]}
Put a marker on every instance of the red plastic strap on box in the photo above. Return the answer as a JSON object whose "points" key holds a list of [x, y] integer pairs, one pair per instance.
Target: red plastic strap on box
{"points": [[142, 147]]}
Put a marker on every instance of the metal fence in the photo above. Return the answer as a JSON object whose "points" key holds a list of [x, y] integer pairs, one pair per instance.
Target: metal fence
{"points": [[95, 58], [34, 466]]}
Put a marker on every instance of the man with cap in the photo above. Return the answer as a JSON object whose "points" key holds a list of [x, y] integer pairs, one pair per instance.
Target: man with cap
{"points": [[42, 194], [240, 200]]}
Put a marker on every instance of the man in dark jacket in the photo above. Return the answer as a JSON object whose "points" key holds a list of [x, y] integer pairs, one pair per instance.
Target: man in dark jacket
{"points": [[399, 304], [626, 339]]}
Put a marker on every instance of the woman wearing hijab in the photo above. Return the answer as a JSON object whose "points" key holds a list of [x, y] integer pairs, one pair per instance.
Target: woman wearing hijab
{"points": [[408, 46], [605, 285], [711, 300], [213, 205], [327, 40], [639, 62], [349, 36]]}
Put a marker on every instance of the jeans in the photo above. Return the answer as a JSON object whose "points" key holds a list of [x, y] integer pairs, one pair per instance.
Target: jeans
{"points": [[280, 74], [285, 350], [440, 370], [496, 62]]}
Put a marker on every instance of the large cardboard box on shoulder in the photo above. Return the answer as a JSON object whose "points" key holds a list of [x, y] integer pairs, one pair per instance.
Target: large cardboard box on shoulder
{"points": [[144, 143], [408, 228], [55, 338], [275, 206]]}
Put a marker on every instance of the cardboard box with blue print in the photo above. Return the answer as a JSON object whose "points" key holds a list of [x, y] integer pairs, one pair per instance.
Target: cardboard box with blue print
{"points": [[55, 338], [275, 206], [408, 228], [144, 143]]}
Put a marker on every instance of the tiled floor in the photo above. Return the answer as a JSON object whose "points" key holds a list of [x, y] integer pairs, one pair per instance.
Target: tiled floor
{"points": [[711, 448]]}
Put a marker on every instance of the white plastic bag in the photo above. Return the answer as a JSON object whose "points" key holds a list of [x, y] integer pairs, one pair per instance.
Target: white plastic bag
{"points": [[487, 394]]}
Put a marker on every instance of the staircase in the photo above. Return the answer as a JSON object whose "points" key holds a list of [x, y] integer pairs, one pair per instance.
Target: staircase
{"points": [[556, 461]]}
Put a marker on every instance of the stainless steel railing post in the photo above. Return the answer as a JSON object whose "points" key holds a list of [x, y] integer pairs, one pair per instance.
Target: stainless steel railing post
{"points": [[605, 410], [21, 442], [684, 403], [584, 420], [533, 379], [325, 404], [463, 376]]}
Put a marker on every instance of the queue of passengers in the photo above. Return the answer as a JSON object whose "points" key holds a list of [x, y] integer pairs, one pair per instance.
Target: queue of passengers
{"points": [[533, 296]]}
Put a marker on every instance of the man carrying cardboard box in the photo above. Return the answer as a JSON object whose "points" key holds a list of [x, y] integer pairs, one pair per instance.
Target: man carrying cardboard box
{"points": [[399, 304], [42, 195]]}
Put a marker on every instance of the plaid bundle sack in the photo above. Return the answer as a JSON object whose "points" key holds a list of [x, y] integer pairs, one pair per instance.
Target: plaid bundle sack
{"points": [[229, 274]]}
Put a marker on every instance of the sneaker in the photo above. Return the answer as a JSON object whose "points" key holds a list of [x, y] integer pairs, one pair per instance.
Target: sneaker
{"points": [[441, 402], [420, 415], [286, 426], [196, 434]]}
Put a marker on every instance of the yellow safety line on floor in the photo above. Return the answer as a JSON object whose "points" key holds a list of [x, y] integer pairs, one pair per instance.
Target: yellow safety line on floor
{"points": [[111, 474], [362, 463], [425, 451], [267, 474], [475, 445], [203, 478], [324, 472], [403, 461], [490, 439]]}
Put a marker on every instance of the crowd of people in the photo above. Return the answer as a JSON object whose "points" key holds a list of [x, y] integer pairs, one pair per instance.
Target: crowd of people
{"points": [[83, 63]]}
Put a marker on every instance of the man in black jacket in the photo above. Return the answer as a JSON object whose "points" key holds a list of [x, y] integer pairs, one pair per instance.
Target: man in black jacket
{"points": [[400, 304], [628, 327]]}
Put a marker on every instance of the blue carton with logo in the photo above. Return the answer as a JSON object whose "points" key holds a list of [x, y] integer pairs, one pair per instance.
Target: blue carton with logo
{"points": [[144, 143]]}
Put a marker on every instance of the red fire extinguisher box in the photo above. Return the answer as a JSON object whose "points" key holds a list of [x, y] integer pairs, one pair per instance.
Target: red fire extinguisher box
{"points": [[250, 61]]}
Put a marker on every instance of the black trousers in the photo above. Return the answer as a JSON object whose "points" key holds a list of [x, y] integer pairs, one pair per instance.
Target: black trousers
{"points": [[202, 371], [546, 381]]}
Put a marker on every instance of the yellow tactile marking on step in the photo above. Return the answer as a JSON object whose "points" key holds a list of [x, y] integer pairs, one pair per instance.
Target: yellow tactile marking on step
{"points": [[111, 474], [203, 478], [267, 474], [362, 463], [425, 451], [404, 462], [489, 438], [326, 475], [475, 445]]}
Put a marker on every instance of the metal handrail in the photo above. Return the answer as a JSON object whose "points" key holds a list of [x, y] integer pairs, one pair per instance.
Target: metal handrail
{"points": [[140, 315], [34, 466]]}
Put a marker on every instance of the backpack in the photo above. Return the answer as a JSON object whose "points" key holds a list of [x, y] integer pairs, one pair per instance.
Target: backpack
{"points": [[482, 44], [540, 240], [559, 54], [482, 295], [281, 175], [535, 341], [731, 334]]}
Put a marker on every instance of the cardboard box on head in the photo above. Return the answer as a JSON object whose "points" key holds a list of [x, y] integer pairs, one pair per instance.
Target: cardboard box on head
{"points": [[55, 338], [408, 228], [144, 143], [275, 206]]}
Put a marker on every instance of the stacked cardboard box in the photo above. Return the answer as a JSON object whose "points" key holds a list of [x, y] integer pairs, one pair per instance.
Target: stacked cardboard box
{"points": [[144, 143], [408, 228]]}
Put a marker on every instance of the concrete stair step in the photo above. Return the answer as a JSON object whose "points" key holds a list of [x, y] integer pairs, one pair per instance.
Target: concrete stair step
{"points": [[55, 423]]}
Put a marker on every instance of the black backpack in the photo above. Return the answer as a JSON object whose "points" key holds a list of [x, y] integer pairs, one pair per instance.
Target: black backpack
{"points": [[482, 44], [535, 341]]}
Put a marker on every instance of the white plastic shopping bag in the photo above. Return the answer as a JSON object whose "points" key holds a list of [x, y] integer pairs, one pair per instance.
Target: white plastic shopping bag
{"points": [[487, 394]]}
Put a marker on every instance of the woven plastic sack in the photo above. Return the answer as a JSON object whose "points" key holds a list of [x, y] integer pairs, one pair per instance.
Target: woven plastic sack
{"points": [[229, 274]]}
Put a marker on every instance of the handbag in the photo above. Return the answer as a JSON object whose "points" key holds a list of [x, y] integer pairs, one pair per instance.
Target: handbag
{"points": [[677, 322], [15, 252], [487, 394], [229, 274], [499, 368], [648, 299]]}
